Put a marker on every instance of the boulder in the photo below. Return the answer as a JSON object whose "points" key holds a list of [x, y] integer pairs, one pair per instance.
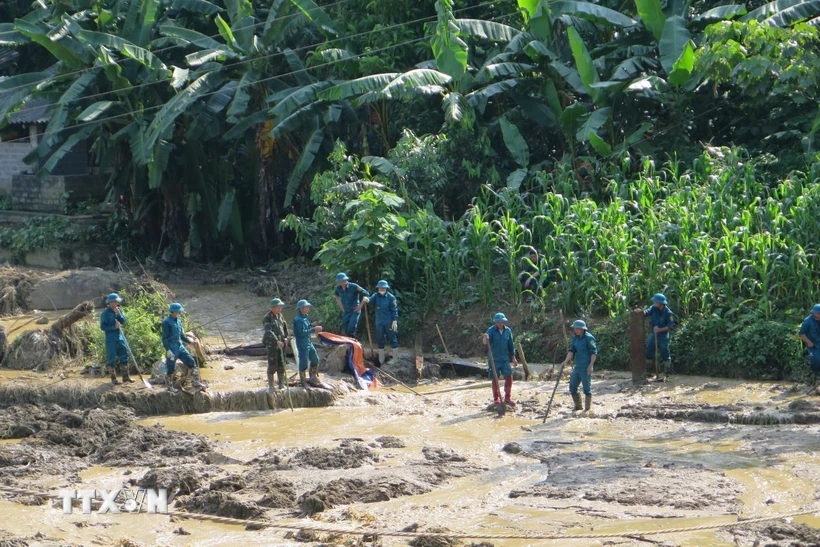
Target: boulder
{"points": [[64, 290]]}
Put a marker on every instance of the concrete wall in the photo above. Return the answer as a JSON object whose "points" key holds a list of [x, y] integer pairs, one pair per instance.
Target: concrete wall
{"points": [[11, 163], [52, 194]]}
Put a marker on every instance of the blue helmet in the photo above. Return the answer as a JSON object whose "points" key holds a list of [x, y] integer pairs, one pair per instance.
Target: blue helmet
{"points": [[659, 299], [382, 284], [113, 297], [176, 306], [578, 324], [816, 308], [500, 318], [302, 303], [341, 277]]}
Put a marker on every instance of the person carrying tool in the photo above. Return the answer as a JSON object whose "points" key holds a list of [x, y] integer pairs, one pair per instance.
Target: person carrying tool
{"points": [[302, 329], [499, 338], [387, 317], [661, 324], [350, 297], [172, 339], [584, 350], [810, 335], [275, 340], [111, 321]]}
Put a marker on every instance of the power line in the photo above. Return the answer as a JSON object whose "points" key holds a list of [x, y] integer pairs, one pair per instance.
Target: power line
{"points": [[167, 48]]}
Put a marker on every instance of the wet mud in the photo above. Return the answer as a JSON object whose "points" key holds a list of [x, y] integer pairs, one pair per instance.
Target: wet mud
{"points": [[690, 452]]}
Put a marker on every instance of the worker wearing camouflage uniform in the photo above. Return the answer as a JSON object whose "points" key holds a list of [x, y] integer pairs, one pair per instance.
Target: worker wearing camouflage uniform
{"points": [[308, 358], [350, 297], [172, 340], [810, 334], [661, 324], [116, 351], [584, 350], [387, 317], [499, 338], [275, 340]]}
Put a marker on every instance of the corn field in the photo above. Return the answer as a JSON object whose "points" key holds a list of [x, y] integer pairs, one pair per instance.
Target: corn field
{"points": [[711, 237]]}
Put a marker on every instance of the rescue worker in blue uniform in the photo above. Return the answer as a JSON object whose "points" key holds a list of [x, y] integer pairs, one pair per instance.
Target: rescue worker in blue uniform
{"points": [[116, 351], [172, 340], [350, 297], [387, 319], [810, 335], [499, 338], [584, 350], [661, 324], [308, 358]]}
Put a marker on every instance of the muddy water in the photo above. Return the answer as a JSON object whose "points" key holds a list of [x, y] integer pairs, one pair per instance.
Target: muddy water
{"points": [[18, 324], [575, 475]]}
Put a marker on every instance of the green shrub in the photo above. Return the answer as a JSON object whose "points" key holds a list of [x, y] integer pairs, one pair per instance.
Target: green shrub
{"points": [[755, 350], [144, 310], [613, 344]]}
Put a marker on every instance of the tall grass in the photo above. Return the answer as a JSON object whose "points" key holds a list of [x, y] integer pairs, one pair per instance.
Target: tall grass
{"points": [[712, 237]]}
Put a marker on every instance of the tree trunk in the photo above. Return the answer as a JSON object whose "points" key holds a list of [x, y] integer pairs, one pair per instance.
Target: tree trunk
{"points": [[81, 311]]}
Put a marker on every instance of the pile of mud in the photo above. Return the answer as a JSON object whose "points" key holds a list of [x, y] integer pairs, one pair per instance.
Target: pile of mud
{"points": [[797, 413], [56, 441], [584, 475], [88, 395]]}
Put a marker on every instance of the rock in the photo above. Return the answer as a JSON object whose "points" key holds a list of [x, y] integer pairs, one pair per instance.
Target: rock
{"points": [[348, 457], [42, 321], [182, 532], [804, 405], [389, 441], [336, 360], [66, 289], [512, 448]]}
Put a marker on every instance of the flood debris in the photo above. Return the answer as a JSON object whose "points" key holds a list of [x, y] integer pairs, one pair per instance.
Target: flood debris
{"points": [[38, 349], [436, 538]]}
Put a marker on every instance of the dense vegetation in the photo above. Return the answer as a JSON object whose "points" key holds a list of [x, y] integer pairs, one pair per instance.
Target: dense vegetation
{"points": [[430, 142]]}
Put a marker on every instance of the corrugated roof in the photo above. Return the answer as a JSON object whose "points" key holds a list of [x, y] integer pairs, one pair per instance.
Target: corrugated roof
{"points": [[33, 111]]}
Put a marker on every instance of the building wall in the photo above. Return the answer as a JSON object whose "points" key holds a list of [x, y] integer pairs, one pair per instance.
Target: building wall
{"points": [[11, 163], [52, 194]]}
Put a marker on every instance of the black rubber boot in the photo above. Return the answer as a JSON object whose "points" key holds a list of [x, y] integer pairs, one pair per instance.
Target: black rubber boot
{"points": [[576, 398], [314, 377], [126, 379], [114, 378], [281, 380], [302, 379], [270, 382], [587, 403]]}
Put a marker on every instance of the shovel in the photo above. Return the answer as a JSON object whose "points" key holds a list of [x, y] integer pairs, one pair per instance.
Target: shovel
{"points": [[502, 407], [145, 382]]}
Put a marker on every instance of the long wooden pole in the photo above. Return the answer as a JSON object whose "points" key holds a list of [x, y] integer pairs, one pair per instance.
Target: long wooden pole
{"points": [[560, 370], [367, 322]]}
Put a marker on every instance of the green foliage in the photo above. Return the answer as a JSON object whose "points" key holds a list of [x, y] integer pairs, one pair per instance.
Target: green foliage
{"points": [[51, 232], [613, 344], [764, 73], [751, 348], [144, 311]]}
